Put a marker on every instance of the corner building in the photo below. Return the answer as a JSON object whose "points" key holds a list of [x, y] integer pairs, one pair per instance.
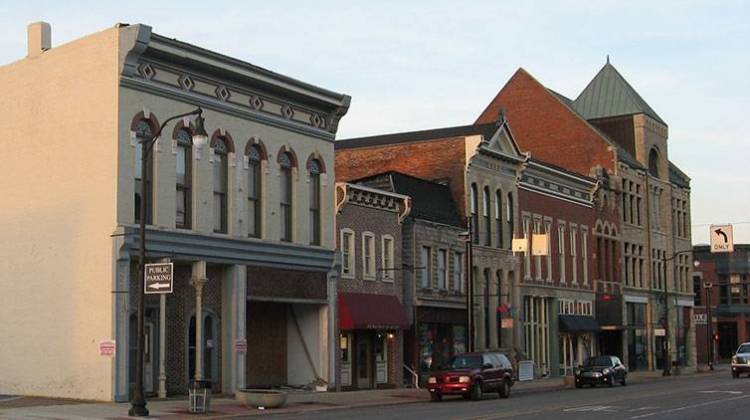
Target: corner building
{"points": [[611, 134], [247, 219]]}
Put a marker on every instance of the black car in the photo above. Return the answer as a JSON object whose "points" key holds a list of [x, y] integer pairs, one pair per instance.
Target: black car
{"points": [[605, 370]]}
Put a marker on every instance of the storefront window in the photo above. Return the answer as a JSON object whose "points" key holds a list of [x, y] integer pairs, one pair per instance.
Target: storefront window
{"points": [[438, 343]]}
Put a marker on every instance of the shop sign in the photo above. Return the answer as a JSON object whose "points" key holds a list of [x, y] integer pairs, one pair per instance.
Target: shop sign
{"points": [[107, 348], [240, 345], [526, 370], [506, 323], [158, 278], [660, 332], [701, 319]]}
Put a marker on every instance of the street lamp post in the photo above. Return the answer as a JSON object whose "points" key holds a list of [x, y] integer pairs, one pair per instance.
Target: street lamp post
{"points": [[200, 138], [667, 369], [469, 238]]}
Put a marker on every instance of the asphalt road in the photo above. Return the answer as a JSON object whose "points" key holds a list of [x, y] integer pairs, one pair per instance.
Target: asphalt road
{"points": [[705, 397]]}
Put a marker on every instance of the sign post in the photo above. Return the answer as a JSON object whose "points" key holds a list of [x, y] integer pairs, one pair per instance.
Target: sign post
{"points": [[722, 238]]}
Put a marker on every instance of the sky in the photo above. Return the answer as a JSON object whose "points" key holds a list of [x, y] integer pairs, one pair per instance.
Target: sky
{"points": [[418, 65]]}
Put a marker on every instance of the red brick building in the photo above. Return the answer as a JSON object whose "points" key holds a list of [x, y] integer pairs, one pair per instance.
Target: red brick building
{"points": [[729, 301], [612, 135], [558, 313]]}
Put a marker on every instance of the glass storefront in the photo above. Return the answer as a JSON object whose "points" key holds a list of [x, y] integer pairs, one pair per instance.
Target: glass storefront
{"points": [[637, 356], [438, 343]]}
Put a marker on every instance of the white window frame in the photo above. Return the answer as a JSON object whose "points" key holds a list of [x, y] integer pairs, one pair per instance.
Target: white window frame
{"points": [[425, 269], [561, 248], [351, 257], [573, 254], [548, 258], [442, 269], [368, 274], [585, 253], [387, 256], [458, 272], [527, 255]]}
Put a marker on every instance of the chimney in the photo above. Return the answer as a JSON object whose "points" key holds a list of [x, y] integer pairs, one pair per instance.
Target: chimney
{"points": [[39, 38]]}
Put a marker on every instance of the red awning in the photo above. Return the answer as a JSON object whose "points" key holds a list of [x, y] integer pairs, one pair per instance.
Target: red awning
{"points": [[362, 311]]}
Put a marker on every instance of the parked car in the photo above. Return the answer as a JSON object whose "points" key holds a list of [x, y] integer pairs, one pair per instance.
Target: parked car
{"points": [[471, 375], [741, 360], [605, 370]]}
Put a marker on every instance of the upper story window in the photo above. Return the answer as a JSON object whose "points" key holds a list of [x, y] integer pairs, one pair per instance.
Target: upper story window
{"points": [[388, 264], [254, 191], [425, 267], [653, 162], [486, 214], [498, 218], [368, 255], [474, 210], [143, 133], [347, 253], [285, 194], [314, 168], [221, 151], [458, 272], [442, 267], [183, 169], [509, 217]]}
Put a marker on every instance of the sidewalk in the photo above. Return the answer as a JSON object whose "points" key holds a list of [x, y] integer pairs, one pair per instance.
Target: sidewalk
{"points": [[298, 402]]}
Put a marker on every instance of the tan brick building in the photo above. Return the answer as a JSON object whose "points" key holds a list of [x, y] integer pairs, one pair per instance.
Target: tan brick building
{"points": [[248, 219]]}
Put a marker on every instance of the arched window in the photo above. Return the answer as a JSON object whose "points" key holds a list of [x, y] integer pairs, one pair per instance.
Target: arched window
{"points": [[285, 202], [143, 133], [474, 209], [220, 184], [210, 341], [486, 215], [499, 218], [509, 218], [653, 162], [314, 168], [183, 178], [254, 190]]}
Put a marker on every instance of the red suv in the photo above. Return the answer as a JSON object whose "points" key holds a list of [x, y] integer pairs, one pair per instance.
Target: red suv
{"points": [[471, 375]]}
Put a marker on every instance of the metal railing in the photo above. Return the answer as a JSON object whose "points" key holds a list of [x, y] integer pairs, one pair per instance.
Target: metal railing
{"points": [[414, 375]]}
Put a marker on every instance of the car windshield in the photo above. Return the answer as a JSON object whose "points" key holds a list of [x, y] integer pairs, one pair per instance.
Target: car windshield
{"points": [[745, 348], [466, 362], [598, 361]]}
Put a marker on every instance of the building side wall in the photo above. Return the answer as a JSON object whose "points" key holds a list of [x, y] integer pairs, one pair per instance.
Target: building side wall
{"points": [[431, 160], [57, 179]]}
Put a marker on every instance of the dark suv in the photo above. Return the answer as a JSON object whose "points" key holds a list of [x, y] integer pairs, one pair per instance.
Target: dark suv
{"points": [[471, 375]]}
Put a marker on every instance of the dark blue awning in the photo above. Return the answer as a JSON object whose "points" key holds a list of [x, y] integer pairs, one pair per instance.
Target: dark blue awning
{"points": [[578, 323]]}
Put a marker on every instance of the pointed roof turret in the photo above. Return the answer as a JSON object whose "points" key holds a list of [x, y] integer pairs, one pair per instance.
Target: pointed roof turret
{"points": [[610, 95]]}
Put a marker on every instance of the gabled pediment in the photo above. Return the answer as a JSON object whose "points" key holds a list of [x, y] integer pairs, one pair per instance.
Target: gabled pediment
{"points": [[502, 143]]}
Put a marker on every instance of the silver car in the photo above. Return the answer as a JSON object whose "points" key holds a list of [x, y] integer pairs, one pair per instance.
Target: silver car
{"points": [[741, 360]]}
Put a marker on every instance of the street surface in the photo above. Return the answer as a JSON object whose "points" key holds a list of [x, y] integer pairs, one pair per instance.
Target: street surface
{"points": [[716, 397]]}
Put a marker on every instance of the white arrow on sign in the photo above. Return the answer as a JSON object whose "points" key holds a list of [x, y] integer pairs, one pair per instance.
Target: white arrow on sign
{"points": [[158, 286]]}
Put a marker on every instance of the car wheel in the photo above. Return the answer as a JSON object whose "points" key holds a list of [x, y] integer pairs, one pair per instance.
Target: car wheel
{"points": [[579, 385], [476, 392], [467, 396], [611, 380], [436, 397], [735, 375], [504, 390], [624, 381]]}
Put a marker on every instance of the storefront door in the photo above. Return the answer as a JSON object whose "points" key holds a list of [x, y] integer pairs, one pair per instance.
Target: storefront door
{"points": [[364, 361]]}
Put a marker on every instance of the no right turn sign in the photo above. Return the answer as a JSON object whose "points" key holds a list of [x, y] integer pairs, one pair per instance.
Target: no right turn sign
{"points": [[721, 238]]}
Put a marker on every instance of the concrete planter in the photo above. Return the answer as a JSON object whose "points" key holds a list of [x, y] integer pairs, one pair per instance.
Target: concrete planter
{"points": [[265, 398]]}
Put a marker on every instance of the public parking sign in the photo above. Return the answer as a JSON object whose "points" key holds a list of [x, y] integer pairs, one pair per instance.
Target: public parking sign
{"points": [[158, 278]]}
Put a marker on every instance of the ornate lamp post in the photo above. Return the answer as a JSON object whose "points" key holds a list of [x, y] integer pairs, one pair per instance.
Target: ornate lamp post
{"points": [[200, 138]]}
